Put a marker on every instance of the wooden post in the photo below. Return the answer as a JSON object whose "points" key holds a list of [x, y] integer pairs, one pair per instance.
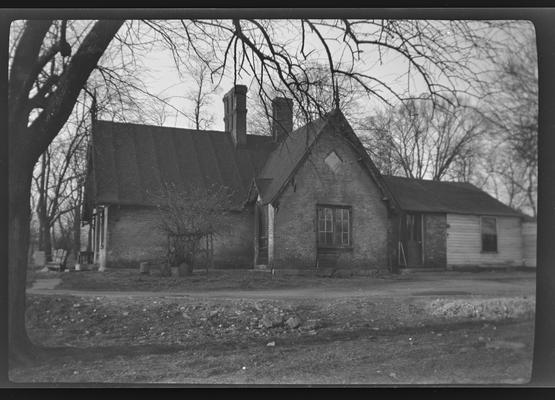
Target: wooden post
{"points": [[211, 251], [270, 235], [104, 250], [94, 237], [256, 234]]}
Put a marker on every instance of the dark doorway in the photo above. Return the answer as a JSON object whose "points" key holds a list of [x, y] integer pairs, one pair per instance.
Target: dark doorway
{"points": [[413, 239], [261, 218]]}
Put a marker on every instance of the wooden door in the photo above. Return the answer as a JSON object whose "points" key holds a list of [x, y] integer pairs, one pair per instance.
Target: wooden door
{"points": [[262, 235], [414, 239]]}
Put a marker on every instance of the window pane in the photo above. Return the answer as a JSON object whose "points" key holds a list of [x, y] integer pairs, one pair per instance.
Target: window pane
{"points": [[489, 242], [489, 226], [337, 237], [489, 234], [333, 226]]}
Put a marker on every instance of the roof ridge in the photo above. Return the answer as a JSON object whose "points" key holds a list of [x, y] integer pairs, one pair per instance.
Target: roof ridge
{"points": [[446, 196], [431, 180], [189, 130], [160, 126]]}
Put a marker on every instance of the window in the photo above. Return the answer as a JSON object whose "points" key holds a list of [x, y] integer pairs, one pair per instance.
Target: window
{"points": [[334, 226], [489, 234], [333, 161]]}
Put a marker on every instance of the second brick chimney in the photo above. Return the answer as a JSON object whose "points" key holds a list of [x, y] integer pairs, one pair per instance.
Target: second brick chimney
{"points": [[235, 114], [282, 118]]}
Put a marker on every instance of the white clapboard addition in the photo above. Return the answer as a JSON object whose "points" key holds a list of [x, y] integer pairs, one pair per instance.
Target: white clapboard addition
{"points": [[529, 238], [464, 242]]}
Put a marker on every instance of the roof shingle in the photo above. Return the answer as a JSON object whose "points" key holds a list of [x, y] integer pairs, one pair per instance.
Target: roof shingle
{"points": [[445, 197], [131, 161]]}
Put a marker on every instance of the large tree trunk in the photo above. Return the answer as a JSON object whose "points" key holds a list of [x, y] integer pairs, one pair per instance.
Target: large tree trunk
{"points": [[18, 226], [27, 143]]}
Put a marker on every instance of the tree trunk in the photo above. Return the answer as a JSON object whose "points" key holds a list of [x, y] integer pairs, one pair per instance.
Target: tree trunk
{"points": [[45, 242], [20, 346], [46, 234], [77, 232], [27, 142]]}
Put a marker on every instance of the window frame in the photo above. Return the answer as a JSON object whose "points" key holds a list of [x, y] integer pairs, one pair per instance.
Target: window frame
{"points": [[482, 234], [338, 165], [334, 245]]}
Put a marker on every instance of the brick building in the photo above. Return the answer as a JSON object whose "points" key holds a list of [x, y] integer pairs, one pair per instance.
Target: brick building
{"points": [[304, 198]]}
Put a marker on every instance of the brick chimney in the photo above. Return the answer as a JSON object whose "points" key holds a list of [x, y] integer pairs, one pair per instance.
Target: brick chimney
{"points": [[235, 114], [282, 118]]}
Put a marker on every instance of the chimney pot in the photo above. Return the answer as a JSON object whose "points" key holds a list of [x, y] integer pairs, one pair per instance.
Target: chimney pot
{"points": [[282, 118], [235, 114]]}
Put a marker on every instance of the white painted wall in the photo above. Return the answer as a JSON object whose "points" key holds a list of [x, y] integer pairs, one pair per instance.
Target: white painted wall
{"points": [[529, 238], [464, 242]]}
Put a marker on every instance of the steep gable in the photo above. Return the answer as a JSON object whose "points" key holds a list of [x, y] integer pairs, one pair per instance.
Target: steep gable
{"points": [[283, 161], [292, 152]]}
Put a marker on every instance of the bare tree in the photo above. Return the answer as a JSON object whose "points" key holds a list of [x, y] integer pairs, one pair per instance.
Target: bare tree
{"points": [[512, 110], [501, 174], [45, 79], [318, 83], [200, 96], [59, 168], [419, 140], [190, 216]]}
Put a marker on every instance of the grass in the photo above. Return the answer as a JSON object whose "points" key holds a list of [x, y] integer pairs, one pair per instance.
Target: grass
{"points": [[34, 273]]}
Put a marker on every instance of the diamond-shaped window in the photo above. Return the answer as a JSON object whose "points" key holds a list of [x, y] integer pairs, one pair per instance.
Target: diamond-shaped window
{"points": [[333, 161]]}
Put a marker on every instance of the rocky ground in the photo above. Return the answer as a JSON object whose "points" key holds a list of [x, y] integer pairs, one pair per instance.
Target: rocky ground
{"points": [[346, 340]]}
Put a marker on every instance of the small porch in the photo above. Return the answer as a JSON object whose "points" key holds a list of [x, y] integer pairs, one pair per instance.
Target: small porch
{"points": [[421, 242], [97, 239], [263, 236]]}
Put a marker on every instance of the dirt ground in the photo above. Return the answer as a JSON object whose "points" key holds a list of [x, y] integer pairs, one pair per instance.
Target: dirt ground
{"points": [[434, 329], [256, 284]]}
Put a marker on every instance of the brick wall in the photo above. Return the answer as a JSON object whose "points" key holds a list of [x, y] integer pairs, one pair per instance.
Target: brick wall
{"points": [[133, 237], [315, 182], [393, 240], [435, 240]]}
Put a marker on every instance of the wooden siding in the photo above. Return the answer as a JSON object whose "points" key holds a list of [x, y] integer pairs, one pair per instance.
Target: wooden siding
{"points": [[464, 242], [529, 232]]}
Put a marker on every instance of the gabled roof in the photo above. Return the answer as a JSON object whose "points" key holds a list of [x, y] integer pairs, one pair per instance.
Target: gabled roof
{"points": [[285, 158], [290, 154], [445, 197], [130, 161]]}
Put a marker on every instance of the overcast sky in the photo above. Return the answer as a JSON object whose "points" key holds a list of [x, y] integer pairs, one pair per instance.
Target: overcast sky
{"points": [[162, 78]]}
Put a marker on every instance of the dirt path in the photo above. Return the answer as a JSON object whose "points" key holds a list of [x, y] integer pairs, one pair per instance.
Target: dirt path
{"points": [[428, 285]]}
